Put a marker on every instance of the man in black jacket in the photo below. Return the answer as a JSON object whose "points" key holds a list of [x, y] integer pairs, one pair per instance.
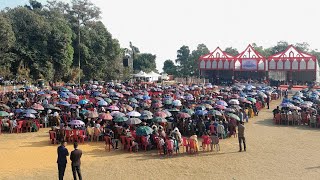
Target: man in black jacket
{"points": [[62, 159], [75, 158]]}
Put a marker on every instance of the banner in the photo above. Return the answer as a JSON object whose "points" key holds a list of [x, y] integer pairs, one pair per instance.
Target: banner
{"points": [[250, 64]]}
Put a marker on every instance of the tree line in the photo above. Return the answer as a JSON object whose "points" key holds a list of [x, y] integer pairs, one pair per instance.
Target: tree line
{"points": [[186, 63], [46, 42]]}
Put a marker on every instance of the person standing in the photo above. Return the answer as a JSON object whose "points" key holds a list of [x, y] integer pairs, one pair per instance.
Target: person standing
{"points": [[62, 159], [268, 101], [241, 137], [76, 162]]}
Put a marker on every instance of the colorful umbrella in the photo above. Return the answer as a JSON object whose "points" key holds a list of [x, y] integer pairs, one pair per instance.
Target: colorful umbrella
{"points": [[133, 121], [102, 103], [30, 111], [63, 103], [176, 103], [120, 119], [83, 101], [222, 103], [252, 99], [220, 107], [105, 116], [189, 111], [38, 107], [93, 114], [233, 116], [234, 102], [117, 114], [159, 120], [76, 123], [4, 114], [215, 113], [183, 115], [133, 114], [113, 108], [160, 114], [29, 115], [201, 112], [129, 108], [144, 131], [108, 100]]}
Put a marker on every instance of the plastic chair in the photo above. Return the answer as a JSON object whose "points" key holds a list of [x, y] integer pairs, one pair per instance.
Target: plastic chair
{"points": [[169, 147], [74, 136], [205, 142], [144, 142], [18, 128], [185, 143], [82, 136], [107, 139], [68, 135], [53, 137], [123, 142], [129, 143]]}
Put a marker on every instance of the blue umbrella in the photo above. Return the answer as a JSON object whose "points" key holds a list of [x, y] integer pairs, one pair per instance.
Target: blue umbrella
{"points": [[201, 112], [64, 95], [40, 92], [63, 103], [286, 104], [18, 110], [83, 102], [102, 103], [139, 97], [96, 93], [146, 97], [222, 103], [30, 111]]}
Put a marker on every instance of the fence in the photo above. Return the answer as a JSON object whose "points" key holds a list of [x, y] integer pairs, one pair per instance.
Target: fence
{"points": [[191, 80]]}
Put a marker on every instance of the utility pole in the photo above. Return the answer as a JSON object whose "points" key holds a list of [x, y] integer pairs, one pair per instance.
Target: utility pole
{"points": [[79, 51]]}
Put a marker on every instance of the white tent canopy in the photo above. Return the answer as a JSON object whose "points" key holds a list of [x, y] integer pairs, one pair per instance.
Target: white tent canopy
{"points": [[153, 76], [141, 74]]}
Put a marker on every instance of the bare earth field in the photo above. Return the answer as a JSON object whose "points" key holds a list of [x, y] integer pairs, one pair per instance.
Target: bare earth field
{"points": [[273, 152]]}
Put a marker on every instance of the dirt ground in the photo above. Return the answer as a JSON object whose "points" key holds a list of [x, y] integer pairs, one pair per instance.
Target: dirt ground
{"points": [[273, 152]]}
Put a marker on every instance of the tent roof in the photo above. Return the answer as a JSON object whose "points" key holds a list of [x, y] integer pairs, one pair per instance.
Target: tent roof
{"points": [[141, 74], [216, 54], [249, 53], [153, 74], [292, 52]]}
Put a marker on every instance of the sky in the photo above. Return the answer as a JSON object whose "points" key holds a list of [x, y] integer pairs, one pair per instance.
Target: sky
{"points": [[162, 27]]}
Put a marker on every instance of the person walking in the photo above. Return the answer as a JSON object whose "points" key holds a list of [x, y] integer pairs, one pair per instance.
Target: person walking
{"points": [[268, 101], [62, 159], [241, 137], [76, 162]]}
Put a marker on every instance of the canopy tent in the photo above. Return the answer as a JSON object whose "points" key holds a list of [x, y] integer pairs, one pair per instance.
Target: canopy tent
{"points": [[289, 64], [141, 74], [153, 76]]}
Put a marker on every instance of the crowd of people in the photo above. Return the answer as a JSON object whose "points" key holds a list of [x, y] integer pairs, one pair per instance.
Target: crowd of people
{"points": [[135, 115]]}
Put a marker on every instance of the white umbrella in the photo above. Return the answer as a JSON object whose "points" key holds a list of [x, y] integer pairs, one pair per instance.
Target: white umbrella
{"points": [[234, 102], [134, 114]]}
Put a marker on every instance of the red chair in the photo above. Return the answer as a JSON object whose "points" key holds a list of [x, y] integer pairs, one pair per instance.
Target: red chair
{"points": [[108, 142], [144, 143], [82, 136], [185, 143], [75, 137], [68, 135], [169, 147], [18, 128], [53, 137], [123, 142], [205, 142], [129, 142]]}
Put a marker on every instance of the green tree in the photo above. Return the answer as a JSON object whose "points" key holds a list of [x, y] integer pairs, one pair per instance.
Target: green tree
{"points": [[145, 62], [280, 47], [6, 35], [232, 51], [183, 67], [169, 67], [194, 59]]}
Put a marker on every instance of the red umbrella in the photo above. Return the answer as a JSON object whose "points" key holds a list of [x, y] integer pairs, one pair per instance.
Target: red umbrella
{"points": [[157, 105], [105, 116], [220, 107], [183, 115], [36, 106], [160, 114]]}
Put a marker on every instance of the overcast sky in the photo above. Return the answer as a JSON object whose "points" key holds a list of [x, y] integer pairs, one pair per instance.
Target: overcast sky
{"points": [[161, 27]]}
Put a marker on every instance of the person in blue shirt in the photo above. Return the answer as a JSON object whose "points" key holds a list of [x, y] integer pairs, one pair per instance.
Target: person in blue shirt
{"points": [[62, 159]]}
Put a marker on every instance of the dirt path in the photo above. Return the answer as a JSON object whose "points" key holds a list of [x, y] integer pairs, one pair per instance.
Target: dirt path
{"points": [[273, 152]]}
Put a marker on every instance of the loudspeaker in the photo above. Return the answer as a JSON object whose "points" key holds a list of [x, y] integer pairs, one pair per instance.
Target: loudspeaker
{"points": [[125, 62]]}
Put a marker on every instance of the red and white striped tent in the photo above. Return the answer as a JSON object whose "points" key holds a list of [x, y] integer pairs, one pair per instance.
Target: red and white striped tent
{"points": [[293, 64], [250, 60], [216, 60]]}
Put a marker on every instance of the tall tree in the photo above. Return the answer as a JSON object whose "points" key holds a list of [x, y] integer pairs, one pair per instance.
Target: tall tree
{"points": [[232, 51], [182, 60], [145, 62], [194, 59], [280, 47], [169, 67]]}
